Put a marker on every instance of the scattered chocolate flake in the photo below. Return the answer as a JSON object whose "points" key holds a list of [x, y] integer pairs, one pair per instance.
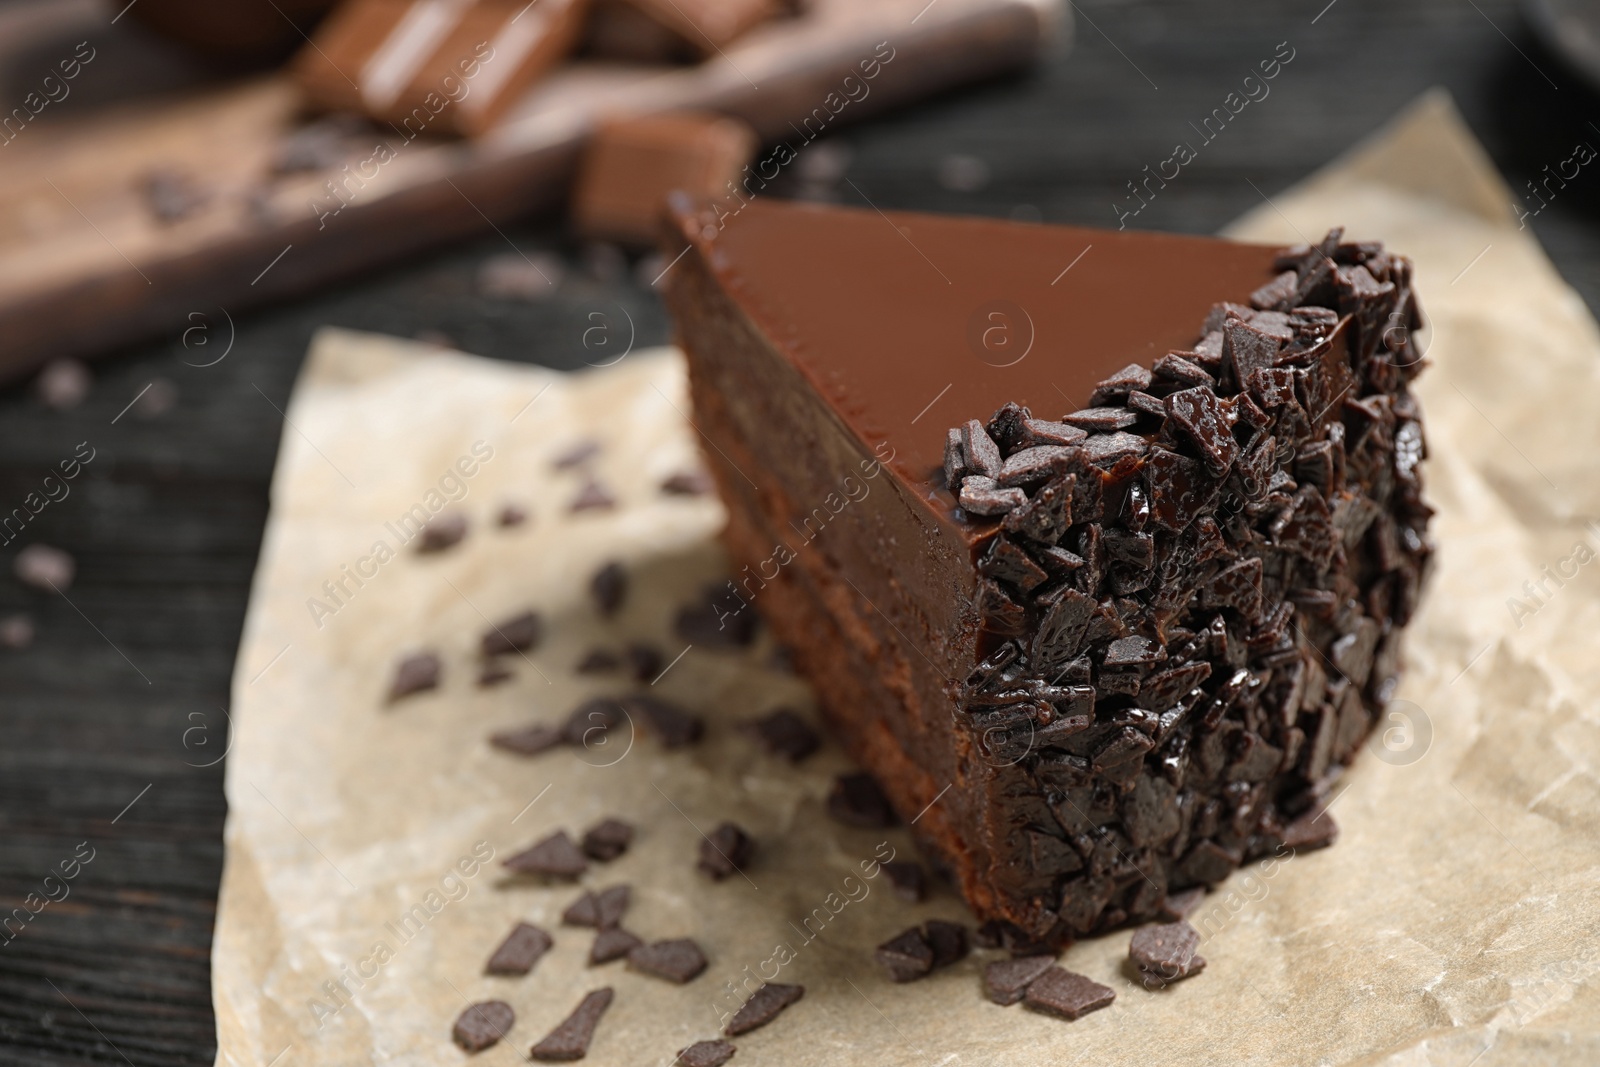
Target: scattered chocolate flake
{"points": [[611, 943], [981, 495], [980, 455], [482, 1025], [570, 1040], [672, 726], [724, 852], [609, 587], [764, 1005], [905, 957], [553, 857], [590, 724], [521, 949], [1005, 981], [516, 634], [415, 673], [644, 662], [576, 454], [1071, 996], [511, 515], [1315, 829], [785, 734], [599, 661], [688, 483], [528, 740], [599, 910], [948, 940], [1102, 419], [592, 497], [907, 880], [679, 960], [1102, 449], [706, 1054], [442, 531], [1165, 953], [719, 619], [1175, 367], [1278, 292], [494, 673], [856, 800], [1181, 905], [1041, 432], [44, 567], [607, 839]]}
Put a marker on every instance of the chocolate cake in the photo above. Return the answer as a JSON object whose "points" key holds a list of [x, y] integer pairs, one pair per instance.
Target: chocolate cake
{"points": [[1097, 546]]}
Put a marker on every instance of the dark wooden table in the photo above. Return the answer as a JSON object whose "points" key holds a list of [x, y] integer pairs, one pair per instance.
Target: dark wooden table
{"points": [[119, 700]]}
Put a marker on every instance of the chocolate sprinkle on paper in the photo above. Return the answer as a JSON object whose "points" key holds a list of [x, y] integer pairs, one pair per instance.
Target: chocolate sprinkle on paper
{"points": [[905, 957], [948, 940], [724, 852], [706, 1054], [856, 800], [1071, 996], [764, 1005], [1181, 904], [611, 943], [607, 839], [521, 949], [1005, 981], [679, 960], [553, 857], [1166, 952], [570, 1040], [482, 1025]]}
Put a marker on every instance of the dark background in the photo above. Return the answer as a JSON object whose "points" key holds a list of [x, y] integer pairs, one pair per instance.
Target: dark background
{"points": [[166, 522]]}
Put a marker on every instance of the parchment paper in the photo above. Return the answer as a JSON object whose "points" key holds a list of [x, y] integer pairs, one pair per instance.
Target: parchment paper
{"points": [[1454, 923]]}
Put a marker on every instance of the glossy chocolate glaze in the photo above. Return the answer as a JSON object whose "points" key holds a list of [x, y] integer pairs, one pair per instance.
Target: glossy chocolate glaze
{"points": [[883, 312]]}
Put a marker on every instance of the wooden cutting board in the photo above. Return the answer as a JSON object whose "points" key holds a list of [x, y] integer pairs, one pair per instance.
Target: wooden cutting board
{"points": [[86, 264]]}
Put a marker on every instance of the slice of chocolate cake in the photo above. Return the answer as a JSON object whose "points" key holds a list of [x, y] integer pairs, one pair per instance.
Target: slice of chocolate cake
{"points": [[1097, 546]]}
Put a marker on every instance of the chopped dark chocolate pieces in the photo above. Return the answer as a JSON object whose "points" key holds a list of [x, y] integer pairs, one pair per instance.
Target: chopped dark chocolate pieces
{"points": [[1071, 996], [644, 662], [521, 949], [719, 619], [442, 531], [607, 839], [482, 1025], [415, 673], [1102, 419], [570, 1040], [1005, 981], [1165, 952], [763, 1006], [688, 483], [948, 940], [856, 800], [575, 454], [516, 634], [599, 910], [552, 857], [679, 960], [905, 957], [1315, 829], [512, 515], [670, 724], [590, 723], [907, 880], [599, 661], [609, 587], [706, 1054], [1181, 904], [593, 497], [528, 740], [785, 734], [611, 943], [493, 673], [725, 851]]}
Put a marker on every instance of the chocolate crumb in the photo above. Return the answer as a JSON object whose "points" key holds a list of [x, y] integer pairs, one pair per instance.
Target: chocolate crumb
{"points": [[706, 1054], [1062, 993], [948, 941], [1315, 829], [609, 587], [1005, 981], [599, 661], [415, 673], [521, 949], [482, 1025], [578, 453], [644, 662], [907, 880], [611, 943], [607, 839], [679, 960], [442, 531], [494, 673], [1165, 952], [570, 1040], [784, 734], [590, 724], [718, 619], [528, 740], [764, 1005], [511, 515], [856, 800], [906, 956], [688, 483], [600, 910], [553, 857], [1181, 905], [673, 726], [592, 497], [725, 852], [516, 634]]}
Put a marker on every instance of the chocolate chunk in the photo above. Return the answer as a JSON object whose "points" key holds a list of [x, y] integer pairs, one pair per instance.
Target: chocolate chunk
{"points": [[720, 619], [724, 852], [482, 1025], [553, 857], [511, 515], [607, 839], [599, 910], [764, 1005], [905, 957], [688, 483], [1071, 996], [611, 943], [592, 497], [1119, 385], [1030, 466], [493, 673], [1133, 651], [1181, 905], [1247, 348], [671, 725], [1174, 367], [1196, 413], [576, 454], [981, 495], [856, 800], [785, 734], [1045, 517], [706, 1054], [980, 455], [678, 961], [608, 587], [521, 949], [528, 740], [591, 723], [1166, 952], [1005, 981], [442, 531], [1104, 449], [599, 661], [415, 673], [907, 880], [644, 662], [516, 634], [1145, 404], [1040, 432], [1102, 419], [570, 1040], [948, 940], [1315, 829]]}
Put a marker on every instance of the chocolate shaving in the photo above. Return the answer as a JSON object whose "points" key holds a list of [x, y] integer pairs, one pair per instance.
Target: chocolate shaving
{"points": [[678, 960], [724, 852], [764, 1005], [516, 634], [1005, 981], [606, 840], [570, 1040], [608, 587], [1067, 995], [482, 1025], [414, 673], [552, 857], [611, 943], [521, 949], [706, 1054]]}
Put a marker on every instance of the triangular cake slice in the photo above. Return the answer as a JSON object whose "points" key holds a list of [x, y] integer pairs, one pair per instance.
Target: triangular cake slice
{"points": [[1097, 546]]}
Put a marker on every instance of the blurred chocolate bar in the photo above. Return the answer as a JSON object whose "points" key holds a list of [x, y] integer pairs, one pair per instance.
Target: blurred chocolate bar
{"points": [[632, 164], [664, 31], [440, 66]]}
